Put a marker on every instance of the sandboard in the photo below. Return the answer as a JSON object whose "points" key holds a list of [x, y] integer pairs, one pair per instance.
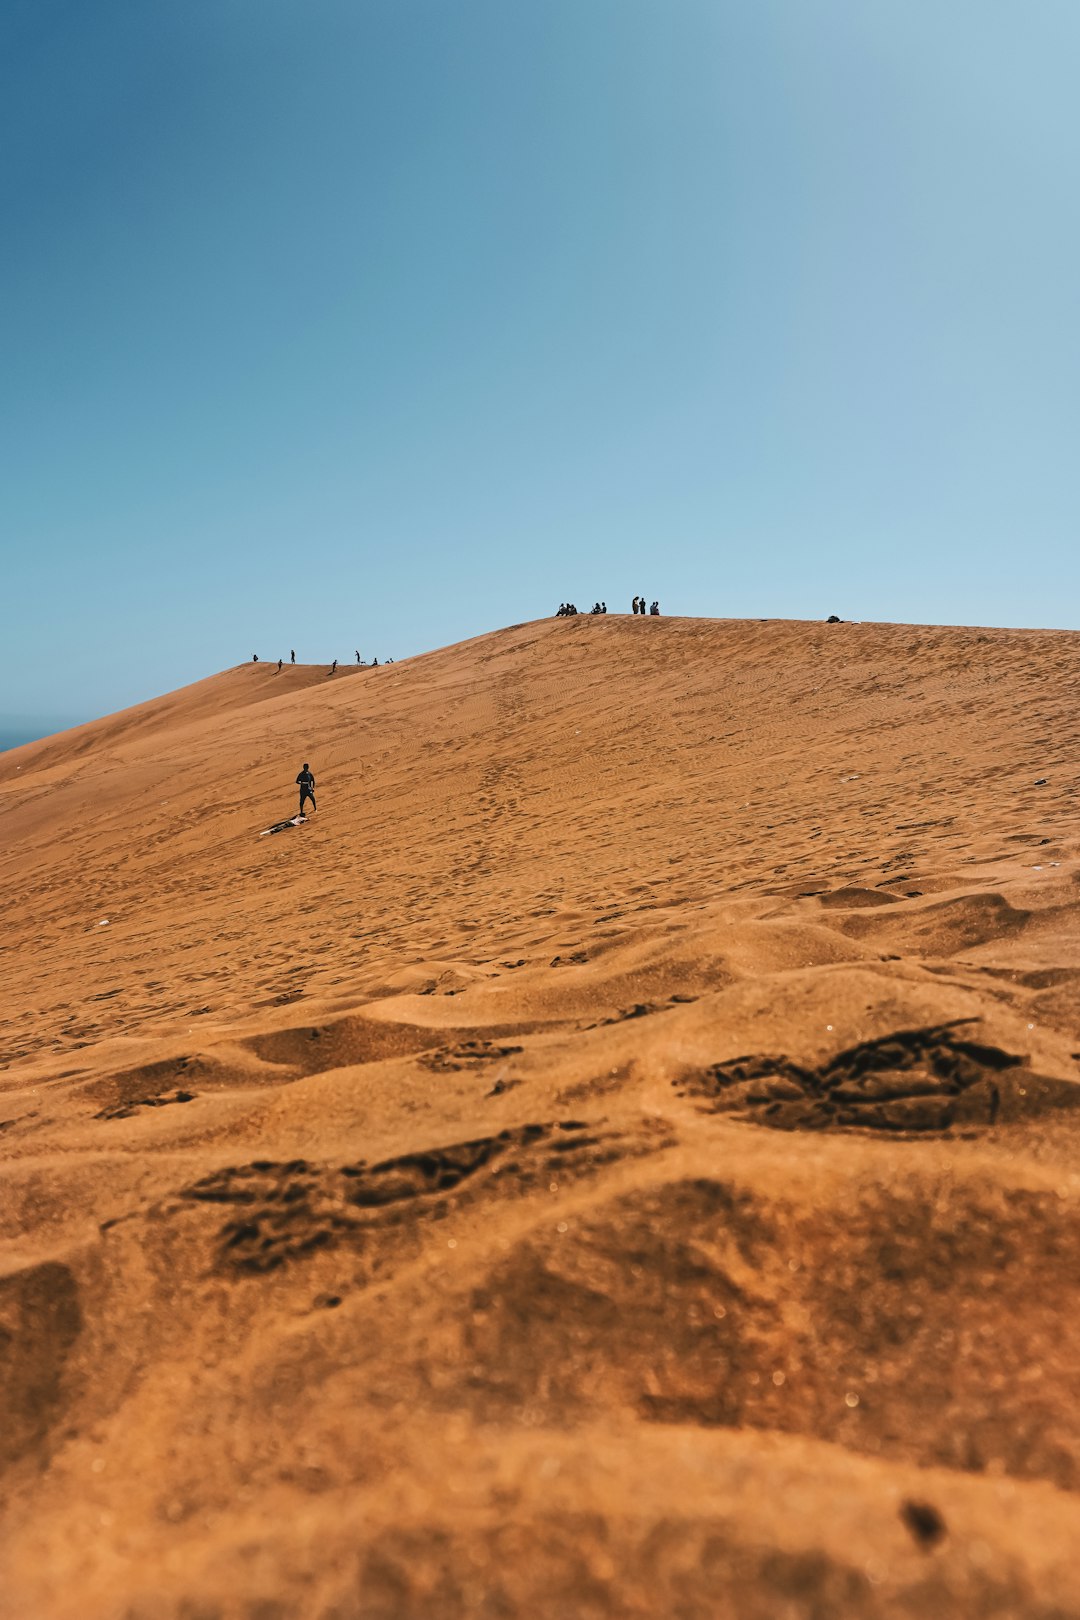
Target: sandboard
{"points": [[280, 826]]}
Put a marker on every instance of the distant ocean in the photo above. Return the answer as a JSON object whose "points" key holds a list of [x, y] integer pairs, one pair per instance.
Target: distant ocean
{"points": [[14, 733], [15, 739]]}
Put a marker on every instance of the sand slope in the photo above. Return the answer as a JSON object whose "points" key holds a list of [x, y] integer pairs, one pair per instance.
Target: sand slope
{"points": [[620, 1158]]}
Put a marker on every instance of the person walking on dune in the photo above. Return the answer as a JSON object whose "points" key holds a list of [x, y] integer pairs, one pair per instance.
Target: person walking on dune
{"points": [[292, 655], [306, 783]]}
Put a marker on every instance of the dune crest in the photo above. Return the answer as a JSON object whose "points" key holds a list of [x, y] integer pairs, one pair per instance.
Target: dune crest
{"points": [[619, 1157]]}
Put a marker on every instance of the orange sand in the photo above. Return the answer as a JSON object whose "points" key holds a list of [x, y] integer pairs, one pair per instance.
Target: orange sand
{"points": [[620, 1158]]}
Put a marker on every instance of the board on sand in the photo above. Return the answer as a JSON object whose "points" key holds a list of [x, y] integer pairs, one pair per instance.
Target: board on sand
{"points": [[280, 826]]}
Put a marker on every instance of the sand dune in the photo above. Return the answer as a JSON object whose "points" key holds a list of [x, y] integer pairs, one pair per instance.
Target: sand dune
{"points": [[621, 1157]]}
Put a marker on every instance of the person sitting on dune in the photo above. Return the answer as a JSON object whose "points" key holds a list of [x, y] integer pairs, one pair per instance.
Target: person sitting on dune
{"points": [[306, 783]]}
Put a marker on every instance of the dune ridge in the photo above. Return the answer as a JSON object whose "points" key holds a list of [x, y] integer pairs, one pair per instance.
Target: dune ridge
{"points": [[617, 1158]]}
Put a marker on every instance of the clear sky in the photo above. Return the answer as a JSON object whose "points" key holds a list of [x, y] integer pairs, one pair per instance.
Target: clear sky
{"points": [[379, 323]]}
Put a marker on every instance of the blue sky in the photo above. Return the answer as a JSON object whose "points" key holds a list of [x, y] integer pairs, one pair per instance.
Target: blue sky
{"points": [[381, 323]]}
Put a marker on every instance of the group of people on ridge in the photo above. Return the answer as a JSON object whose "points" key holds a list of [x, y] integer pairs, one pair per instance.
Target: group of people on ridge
{"points": [[567, 610], [333, 667]]}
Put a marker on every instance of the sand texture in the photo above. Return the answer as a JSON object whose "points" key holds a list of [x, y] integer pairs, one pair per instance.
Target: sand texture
{"points": [[619, 1158]]}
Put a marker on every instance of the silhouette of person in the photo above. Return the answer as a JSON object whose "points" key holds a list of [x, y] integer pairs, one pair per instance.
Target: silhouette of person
{"points": [[634, 607], [655, 610], [254, 658], [603, 607], [292, 655], [374, 663], [357, 655], [279, 666], [333, 667], [306, 783]]}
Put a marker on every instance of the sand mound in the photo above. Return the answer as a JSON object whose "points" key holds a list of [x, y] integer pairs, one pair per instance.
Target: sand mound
{"points": [[618, 1158]]}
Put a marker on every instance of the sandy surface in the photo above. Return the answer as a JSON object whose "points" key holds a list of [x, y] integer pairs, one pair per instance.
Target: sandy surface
{"points": [[620, 1158]]}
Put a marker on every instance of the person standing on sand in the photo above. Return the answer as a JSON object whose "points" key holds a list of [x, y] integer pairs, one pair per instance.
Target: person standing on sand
{"points": [[279, 666], [292, 655], [357, 655], [306, 783], [333, 667]]}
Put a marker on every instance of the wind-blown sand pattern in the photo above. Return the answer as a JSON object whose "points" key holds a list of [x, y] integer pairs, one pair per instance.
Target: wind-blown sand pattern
{"points": [[620, 1158]]}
